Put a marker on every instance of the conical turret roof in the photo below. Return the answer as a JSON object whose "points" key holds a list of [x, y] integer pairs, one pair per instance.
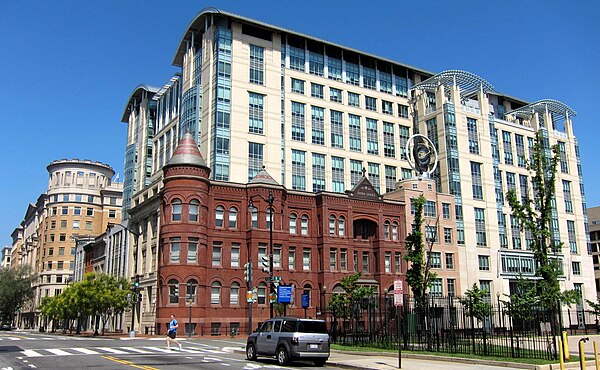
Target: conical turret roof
{"points": [[263, 177], [187, 153]]}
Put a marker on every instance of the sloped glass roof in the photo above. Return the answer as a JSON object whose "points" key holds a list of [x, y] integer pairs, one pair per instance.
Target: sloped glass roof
{"points": [[468, 83], [558, 110]]}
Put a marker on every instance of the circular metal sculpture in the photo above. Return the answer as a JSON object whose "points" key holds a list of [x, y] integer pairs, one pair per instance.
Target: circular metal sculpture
{"points": [[422, 155]]}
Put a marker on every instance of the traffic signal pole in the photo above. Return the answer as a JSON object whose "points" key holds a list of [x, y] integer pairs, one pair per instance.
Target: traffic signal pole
{"points": [[134, 300], [248, 278]]}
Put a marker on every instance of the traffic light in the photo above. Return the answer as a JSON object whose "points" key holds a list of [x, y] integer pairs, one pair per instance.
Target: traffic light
{"points": [[265, 264], [136, 282], [248, 272], [140, 297]]}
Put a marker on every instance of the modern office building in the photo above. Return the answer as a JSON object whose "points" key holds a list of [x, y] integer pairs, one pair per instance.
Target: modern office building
{"points": [[315, 114], [80, 202]]}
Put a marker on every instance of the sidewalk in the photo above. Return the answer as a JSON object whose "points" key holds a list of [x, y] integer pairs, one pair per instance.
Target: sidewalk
{"points": [[389, 361]]}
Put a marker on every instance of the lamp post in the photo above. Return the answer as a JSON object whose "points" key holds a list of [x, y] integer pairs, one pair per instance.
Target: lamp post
{"points": [[136, 278], [269, 200], [190, 299]]}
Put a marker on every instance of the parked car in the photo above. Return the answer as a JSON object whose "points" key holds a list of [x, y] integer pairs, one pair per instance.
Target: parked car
{"points": [[288, 339], [5, 327]]}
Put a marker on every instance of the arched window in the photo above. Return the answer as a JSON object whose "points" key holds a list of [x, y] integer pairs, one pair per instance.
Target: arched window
{"points": [[194, 210], [175, 249], [219, 213], [234, 295], [332, 225], [191, 290], [293, 220], [307, 289], [395, 231], [304, 225], [261, 293], [341, 226], [254, 218], [386, 230], [173, 291], [176, 210], [215, 293], [233, 218]]}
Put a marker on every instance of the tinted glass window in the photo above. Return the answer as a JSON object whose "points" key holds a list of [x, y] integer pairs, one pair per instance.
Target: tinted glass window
{"points": [[277, 326], [289, 326], [312, 327]]}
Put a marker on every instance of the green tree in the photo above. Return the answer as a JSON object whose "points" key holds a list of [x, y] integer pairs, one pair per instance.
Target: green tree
{"points": [[101, 295], [418, 275], [535, 215], [524, 302], [341, 303], [97, 295], [475, 302], [15, 289]]}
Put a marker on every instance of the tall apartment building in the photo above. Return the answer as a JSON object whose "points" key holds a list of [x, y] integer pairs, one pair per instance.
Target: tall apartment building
{"points": [[315, 114], [80, 202], [594, 219], [5, 257]]}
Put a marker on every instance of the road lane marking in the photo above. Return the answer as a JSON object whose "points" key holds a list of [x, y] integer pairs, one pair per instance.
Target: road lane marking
{"points": [[86, 351], [112, 350], [124, 362], [31, 353], [137, 350], [160, 349], [59, 352]]}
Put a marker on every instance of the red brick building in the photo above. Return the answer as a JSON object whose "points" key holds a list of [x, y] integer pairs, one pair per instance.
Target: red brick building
{"points": [[208, 233]]}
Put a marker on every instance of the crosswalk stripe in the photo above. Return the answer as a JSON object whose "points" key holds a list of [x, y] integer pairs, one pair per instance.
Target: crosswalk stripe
{"points": [[137, 350], [31, 353], [159, 349], [58, 352], [190, 351], [112, 350], [14, 338], [86, 351]]}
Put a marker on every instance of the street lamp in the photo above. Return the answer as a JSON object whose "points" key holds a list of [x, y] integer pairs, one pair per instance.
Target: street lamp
{"points": [[269, 200], [190, 299], [136, 278]]}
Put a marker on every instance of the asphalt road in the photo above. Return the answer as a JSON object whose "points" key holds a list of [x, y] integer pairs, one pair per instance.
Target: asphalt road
{"points": [[28, 350]]}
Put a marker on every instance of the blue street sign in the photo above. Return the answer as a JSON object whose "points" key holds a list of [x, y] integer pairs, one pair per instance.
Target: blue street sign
{"points": [[305, 300], [284, 294]]}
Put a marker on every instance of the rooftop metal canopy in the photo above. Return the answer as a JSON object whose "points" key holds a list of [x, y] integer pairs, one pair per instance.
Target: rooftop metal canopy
{"points": [[558, 110], [467, 82]]}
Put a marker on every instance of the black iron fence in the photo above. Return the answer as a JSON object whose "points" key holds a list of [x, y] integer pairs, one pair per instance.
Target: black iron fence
{"points": [[446, 325]]}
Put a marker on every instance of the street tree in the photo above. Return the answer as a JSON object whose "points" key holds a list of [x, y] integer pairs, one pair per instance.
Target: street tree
{"points": [[476, 302], [101, 295], [341, 303], [419, 275], [15, 290], [535, 216]]}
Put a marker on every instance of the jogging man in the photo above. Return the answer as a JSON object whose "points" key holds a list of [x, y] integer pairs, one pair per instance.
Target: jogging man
{"points": [[172, 333]]}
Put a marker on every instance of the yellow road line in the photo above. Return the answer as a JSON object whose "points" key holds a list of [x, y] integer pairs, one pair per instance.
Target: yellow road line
{"points": [[125, 362]]}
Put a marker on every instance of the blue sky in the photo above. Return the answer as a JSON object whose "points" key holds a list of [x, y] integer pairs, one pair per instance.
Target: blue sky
{"points": [[67, 67]]}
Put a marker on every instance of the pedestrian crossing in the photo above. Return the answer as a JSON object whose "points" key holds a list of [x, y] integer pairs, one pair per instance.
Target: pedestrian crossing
{"points": [[142, 350], [19, 337]]}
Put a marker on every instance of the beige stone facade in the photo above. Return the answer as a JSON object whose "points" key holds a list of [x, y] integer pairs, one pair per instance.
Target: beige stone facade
{"points": [[80, 202], [316, 113]]}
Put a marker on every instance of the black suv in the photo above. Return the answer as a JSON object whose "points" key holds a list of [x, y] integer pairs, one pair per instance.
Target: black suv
{"points": [[290, 338]]}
